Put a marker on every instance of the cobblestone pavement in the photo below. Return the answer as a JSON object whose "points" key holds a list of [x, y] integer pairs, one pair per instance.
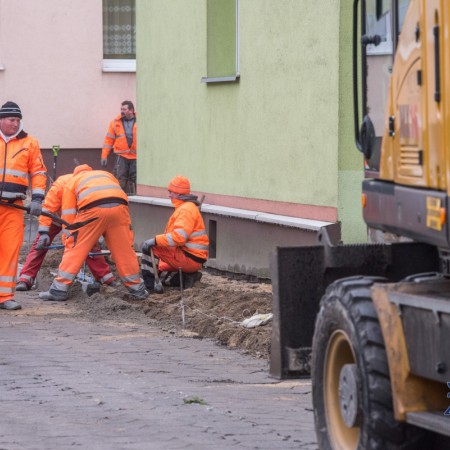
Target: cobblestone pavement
{"points": [[69, 383]]}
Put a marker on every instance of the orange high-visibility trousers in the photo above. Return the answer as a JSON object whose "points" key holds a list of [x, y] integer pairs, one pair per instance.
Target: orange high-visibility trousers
{"points": [[114, 224], [173, 258], [11, 237]]}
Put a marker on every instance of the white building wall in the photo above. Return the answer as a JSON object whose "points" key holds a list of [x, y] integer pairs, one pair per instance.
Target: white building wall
{"points": [[51, 65]]}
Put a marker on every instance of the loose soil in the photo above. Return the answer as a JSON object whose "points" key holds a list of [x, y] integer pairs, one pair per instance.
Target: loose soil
{"points": [[213, 308]]}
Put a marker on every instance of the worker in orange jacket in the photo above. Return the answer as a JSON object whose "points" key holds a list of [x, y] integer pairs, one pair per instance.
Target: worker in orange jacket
{"points": [[96, 194], [184, 243], [47, 231], [21, 164], [121, 137]]}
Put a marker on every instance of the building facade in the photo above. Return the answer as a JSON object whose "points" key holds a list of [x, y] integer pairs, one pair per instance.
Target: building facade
{"points": [[252, 100], [57, 62]]}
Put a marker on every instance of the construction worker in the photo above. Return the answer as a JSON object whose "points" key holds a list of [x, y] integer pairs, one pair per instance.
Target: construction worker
{"points": [[121, 137], [184, 243], [47, 231], [21, 164], [96, 194]]}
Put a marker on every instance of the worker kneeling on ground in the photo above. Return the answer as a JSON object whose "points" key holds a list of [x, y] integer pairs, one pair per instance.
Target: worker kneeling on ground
{"points": [[47, 231], [96, 194], [184, 243]]}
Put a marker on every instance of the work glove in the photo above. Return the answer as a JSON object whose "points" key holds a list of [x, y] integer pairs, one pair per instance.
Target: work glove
{"points": [[35, 207], [43, 241], [103, 162], [150, 243]]}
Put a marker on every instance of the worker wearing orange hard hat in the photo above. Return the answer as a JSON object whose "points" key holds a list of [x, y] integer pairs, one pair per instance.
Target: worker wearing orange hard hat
{"points": [[184, 243]]}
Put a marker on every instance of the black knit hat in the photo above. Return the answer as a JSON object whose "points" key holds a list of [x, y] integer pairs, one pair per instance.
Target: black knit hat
{"points": [[10, 109]]}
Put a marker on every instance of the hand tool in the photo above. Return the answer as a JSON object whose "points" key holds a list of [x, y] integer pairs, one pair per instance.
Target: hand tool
{"points": [[180, 273], [158, 285], [69, 226], [56, 149]]}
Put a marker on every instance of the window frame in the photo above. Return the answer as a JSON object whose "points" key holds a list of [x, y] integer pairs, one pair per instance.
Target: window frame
{"points": [[118, 65], [232, 78]]}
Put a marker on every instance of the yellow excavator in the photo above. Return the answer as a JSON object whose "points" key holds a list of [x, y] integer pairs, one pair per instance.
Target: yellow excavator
{"points": [[371, 322]]}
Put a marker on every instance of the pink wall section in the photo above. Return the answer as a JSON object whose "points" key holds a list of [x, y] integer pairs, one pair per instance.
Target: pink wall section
{"points": [[51, 55], [323, 213]]}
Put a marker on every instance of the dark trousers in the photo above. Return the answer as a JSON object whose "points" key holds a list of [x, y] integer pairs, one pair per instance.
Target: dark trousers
{"points": [[125, 172]]}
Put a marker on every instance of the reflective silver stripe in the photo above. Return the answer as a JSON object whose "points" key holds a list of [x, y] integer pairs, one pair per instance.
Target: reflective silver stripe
{"points": [[120, 152], [65, 212], [28, 278], [112, 136], [198, 233], [7, 290], [6, 194], [40, 172], [92, 177], [146, 266], [196, 246], [38, 191], [16, 173], [170, 240], [182, 233], [120, 135], [107, 277], [59, 286], [66, 275], [7, 279], [131, 278], [43, 228], [98, 188], [136, 287]]}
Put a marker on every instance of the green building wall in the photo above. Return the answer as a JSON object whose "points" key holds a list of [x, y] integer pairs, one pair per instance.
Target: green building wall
{"points": [[283, 132]]}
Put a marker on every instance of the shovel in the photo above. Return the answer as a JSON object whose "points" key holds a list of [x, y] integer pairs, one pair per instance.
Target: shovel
{"points": [[158, 285], [69, 226]]}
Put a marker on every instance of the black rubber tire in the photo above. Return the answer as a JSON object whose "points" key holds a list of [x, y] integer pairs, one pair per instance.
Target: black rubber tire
{"points": [[347, 311]]}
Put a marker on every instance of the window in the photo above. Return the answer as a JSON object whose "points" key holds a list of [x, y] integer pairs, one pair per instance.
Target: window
{"points": [[222, 41], [119, 35], [379, 22]]}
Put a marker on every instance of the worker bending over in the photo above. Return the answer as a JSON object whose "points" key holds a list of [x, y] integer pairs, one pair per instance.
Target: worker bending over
{"points": [[184, 243], [21, 165], [96, 194], [47, 231]]}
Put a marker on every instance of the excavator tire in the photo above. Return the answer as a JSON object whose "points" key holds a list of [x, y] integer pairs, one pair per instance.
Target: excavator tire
{"points": [[352, 396]]}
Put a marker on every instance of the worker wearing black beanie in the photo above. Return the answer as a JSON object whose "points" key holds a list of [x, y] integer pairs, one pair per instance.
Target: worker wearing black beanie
{"points": [[10, 109], [21, 169]]}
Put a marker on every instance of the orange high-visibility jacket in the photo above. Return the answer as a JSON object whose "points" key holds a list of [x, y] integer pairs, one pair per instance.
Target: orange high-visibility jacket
{"points": [[53, 201], [23, 161], [88, 189], [186, 229], [117, 140]]}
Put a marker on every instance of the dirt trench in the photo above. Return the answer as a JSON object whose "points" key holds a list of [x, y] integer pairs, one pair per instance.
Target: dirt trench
{"points": [[213, 308]]}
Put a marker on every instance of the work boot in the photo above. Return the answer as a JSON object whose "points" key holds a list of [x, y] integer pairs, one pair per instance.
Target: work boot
{"points": [[114, 283], [140, 294], [10, 305], [22, 286], [53, 295], [189, 279]]}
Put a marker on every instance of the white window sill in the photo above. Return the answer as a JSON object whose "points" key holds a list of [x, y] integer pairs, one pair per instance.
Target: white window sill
{"points": [[119, 65], [220, 79]]}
